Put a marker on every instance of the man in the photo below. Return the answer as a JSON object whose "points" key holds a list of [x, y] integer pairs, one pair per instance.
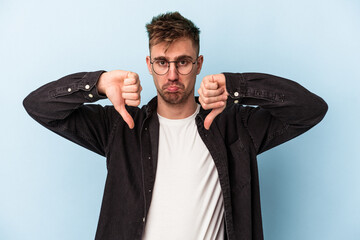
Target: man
{"points": [[177, 170]]}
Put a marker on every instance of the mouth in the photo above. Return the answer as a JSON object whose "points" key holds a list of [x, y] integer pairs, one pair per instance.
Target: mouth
{"points": [[172, 88]]}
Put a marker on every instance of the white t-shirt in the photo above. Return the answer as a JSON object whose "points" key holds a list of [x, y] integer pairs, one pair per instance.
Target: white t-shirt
{"points": [[187, 201]]}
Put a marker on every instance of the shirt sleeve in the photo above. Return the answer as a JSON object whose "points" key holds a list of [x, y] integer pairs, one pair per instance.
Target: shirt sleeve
{"points": [[284, 109], [64, 106]]}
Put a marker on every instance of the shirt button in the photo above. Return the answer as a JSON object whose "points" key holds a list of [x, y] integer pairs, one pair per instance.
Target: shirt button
{"points": [[146, 129], [69, 89], [149, 190], [87, 86], [149, 157], [143, 219], [91, 96], [236, 101], [236, 94]]}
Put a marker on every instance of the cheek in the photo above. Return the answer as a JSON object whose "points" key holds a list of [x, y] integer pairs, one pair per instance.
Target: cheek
{"points": [[157, 81], [190, 81]]}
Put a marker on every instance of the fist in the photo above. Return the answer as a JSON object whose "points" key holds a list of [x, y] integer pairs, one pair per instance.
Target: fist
{"points": [[131, 90], [213, 95], [121, 87]]}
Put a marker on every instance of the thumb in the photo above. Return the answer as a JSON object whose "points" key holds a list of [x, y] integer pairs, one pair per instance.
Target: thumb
{"points": [[211, 116], [125, 115]]}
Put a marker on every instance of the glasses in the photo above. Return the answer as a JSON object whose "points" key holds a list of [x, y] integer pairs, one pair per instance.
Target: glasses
{"points": [[183, 67]]}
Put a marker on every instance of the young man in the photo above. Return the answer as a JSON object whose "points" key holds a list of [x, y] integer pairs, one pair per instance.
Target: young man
{"points": [[177, 170]]}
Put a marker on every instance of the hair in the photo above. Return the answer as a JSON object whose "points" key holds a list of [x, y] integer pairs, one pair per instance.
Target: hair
{"points": [[171, 26]]}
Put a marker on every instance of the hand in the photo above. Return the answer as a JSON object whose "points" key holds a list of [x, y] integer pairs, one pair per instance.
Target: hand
{"points": [[121, 87], [213, 95]]}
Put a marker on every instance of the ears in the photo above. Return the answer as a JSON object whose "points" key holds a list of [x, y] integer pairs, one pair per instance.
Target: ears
{"points": [[149, 64], [199, 64]]}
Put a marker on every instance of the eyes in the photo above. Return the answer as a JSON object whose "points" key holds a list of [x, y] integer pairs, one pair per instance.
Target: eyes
{"points": [[183, 66], [183, 62], [179, 63], [161, 63]]}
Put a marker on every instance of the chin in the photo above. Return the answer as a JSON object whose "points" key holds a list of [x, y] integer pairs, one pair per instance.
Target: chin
{"points": [[173, 98]]}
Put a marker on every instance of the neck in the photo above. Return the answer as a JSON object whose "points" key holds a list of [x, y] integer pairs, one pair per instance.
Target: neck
{"points": [[176, 111]]}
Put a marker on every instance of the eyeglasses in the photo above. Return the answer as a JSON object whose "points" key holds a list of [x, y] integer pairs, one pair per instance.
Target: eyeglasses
{"points": [[183, 67]]}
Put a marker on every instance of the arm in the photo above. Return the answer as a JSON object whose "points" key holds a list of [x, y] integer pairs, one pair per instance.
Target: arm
{"points": [[59, 106], [286, 109]]}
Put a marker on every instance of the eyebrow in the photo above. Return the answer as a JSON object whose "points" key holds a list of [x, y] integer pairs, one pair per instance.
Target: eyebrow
{"points": [[181, 57]]}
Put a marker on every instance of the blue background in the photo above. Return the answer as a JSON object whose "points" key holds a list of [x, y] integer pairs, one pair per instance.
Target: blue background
{"points": [[52, 189]]}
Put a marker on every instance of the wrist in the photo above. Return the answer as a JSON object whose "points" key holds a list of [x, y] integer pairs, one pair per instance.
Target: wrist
{"points": [[100, 84]]}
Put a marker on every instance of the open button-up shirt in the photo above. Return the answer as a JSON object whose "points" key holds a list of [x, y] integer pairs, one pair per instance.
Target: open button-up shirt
{"points": [[262, 112]]}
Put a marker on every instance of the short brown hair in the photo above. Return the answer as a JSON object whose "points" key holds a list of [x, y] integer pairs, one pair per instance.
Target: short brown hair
{"points": [[171, 26]]}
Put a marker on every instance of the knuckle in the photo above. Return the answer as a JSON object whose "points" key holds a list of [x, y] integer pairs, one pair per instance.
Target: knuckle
{"points": [[206, 92], [201, 91], [135, 75], [132, 96], [135, 88], [132, 81]]}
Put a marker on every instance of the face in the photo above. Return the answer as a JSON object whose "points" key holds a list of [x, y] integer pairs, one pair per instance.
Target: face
{"points": [[172, 87]]}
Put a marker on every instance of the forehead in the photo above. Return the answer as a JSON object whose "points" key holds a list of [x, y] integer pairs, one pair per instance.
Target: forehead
{"points": [[180, 47]]}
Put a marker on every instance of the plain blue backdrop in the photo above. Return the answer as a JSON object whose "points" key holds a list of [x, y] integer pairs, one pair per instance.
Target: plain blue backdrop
{"points": [[52, 189]]}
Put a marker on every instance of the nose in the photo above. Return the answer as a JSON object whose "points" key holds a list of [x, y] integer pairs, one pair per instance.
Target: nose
{"points": [[173, 74]]}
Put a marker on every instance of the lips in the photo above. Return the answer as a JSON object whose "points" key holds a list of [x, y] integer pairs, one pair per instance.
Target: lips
{"points": [[173, 87]]}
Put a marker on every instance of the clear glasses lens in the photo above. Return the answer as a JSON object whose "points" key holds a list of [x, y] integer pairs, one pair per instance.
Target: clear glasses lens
{"points": [[183, 67]]}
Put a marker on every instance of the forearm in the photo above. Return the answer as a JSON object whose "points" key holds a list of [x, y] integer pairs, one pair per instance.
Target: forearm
{"points": [[58, 99], [59, 106], [286, 100]]}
